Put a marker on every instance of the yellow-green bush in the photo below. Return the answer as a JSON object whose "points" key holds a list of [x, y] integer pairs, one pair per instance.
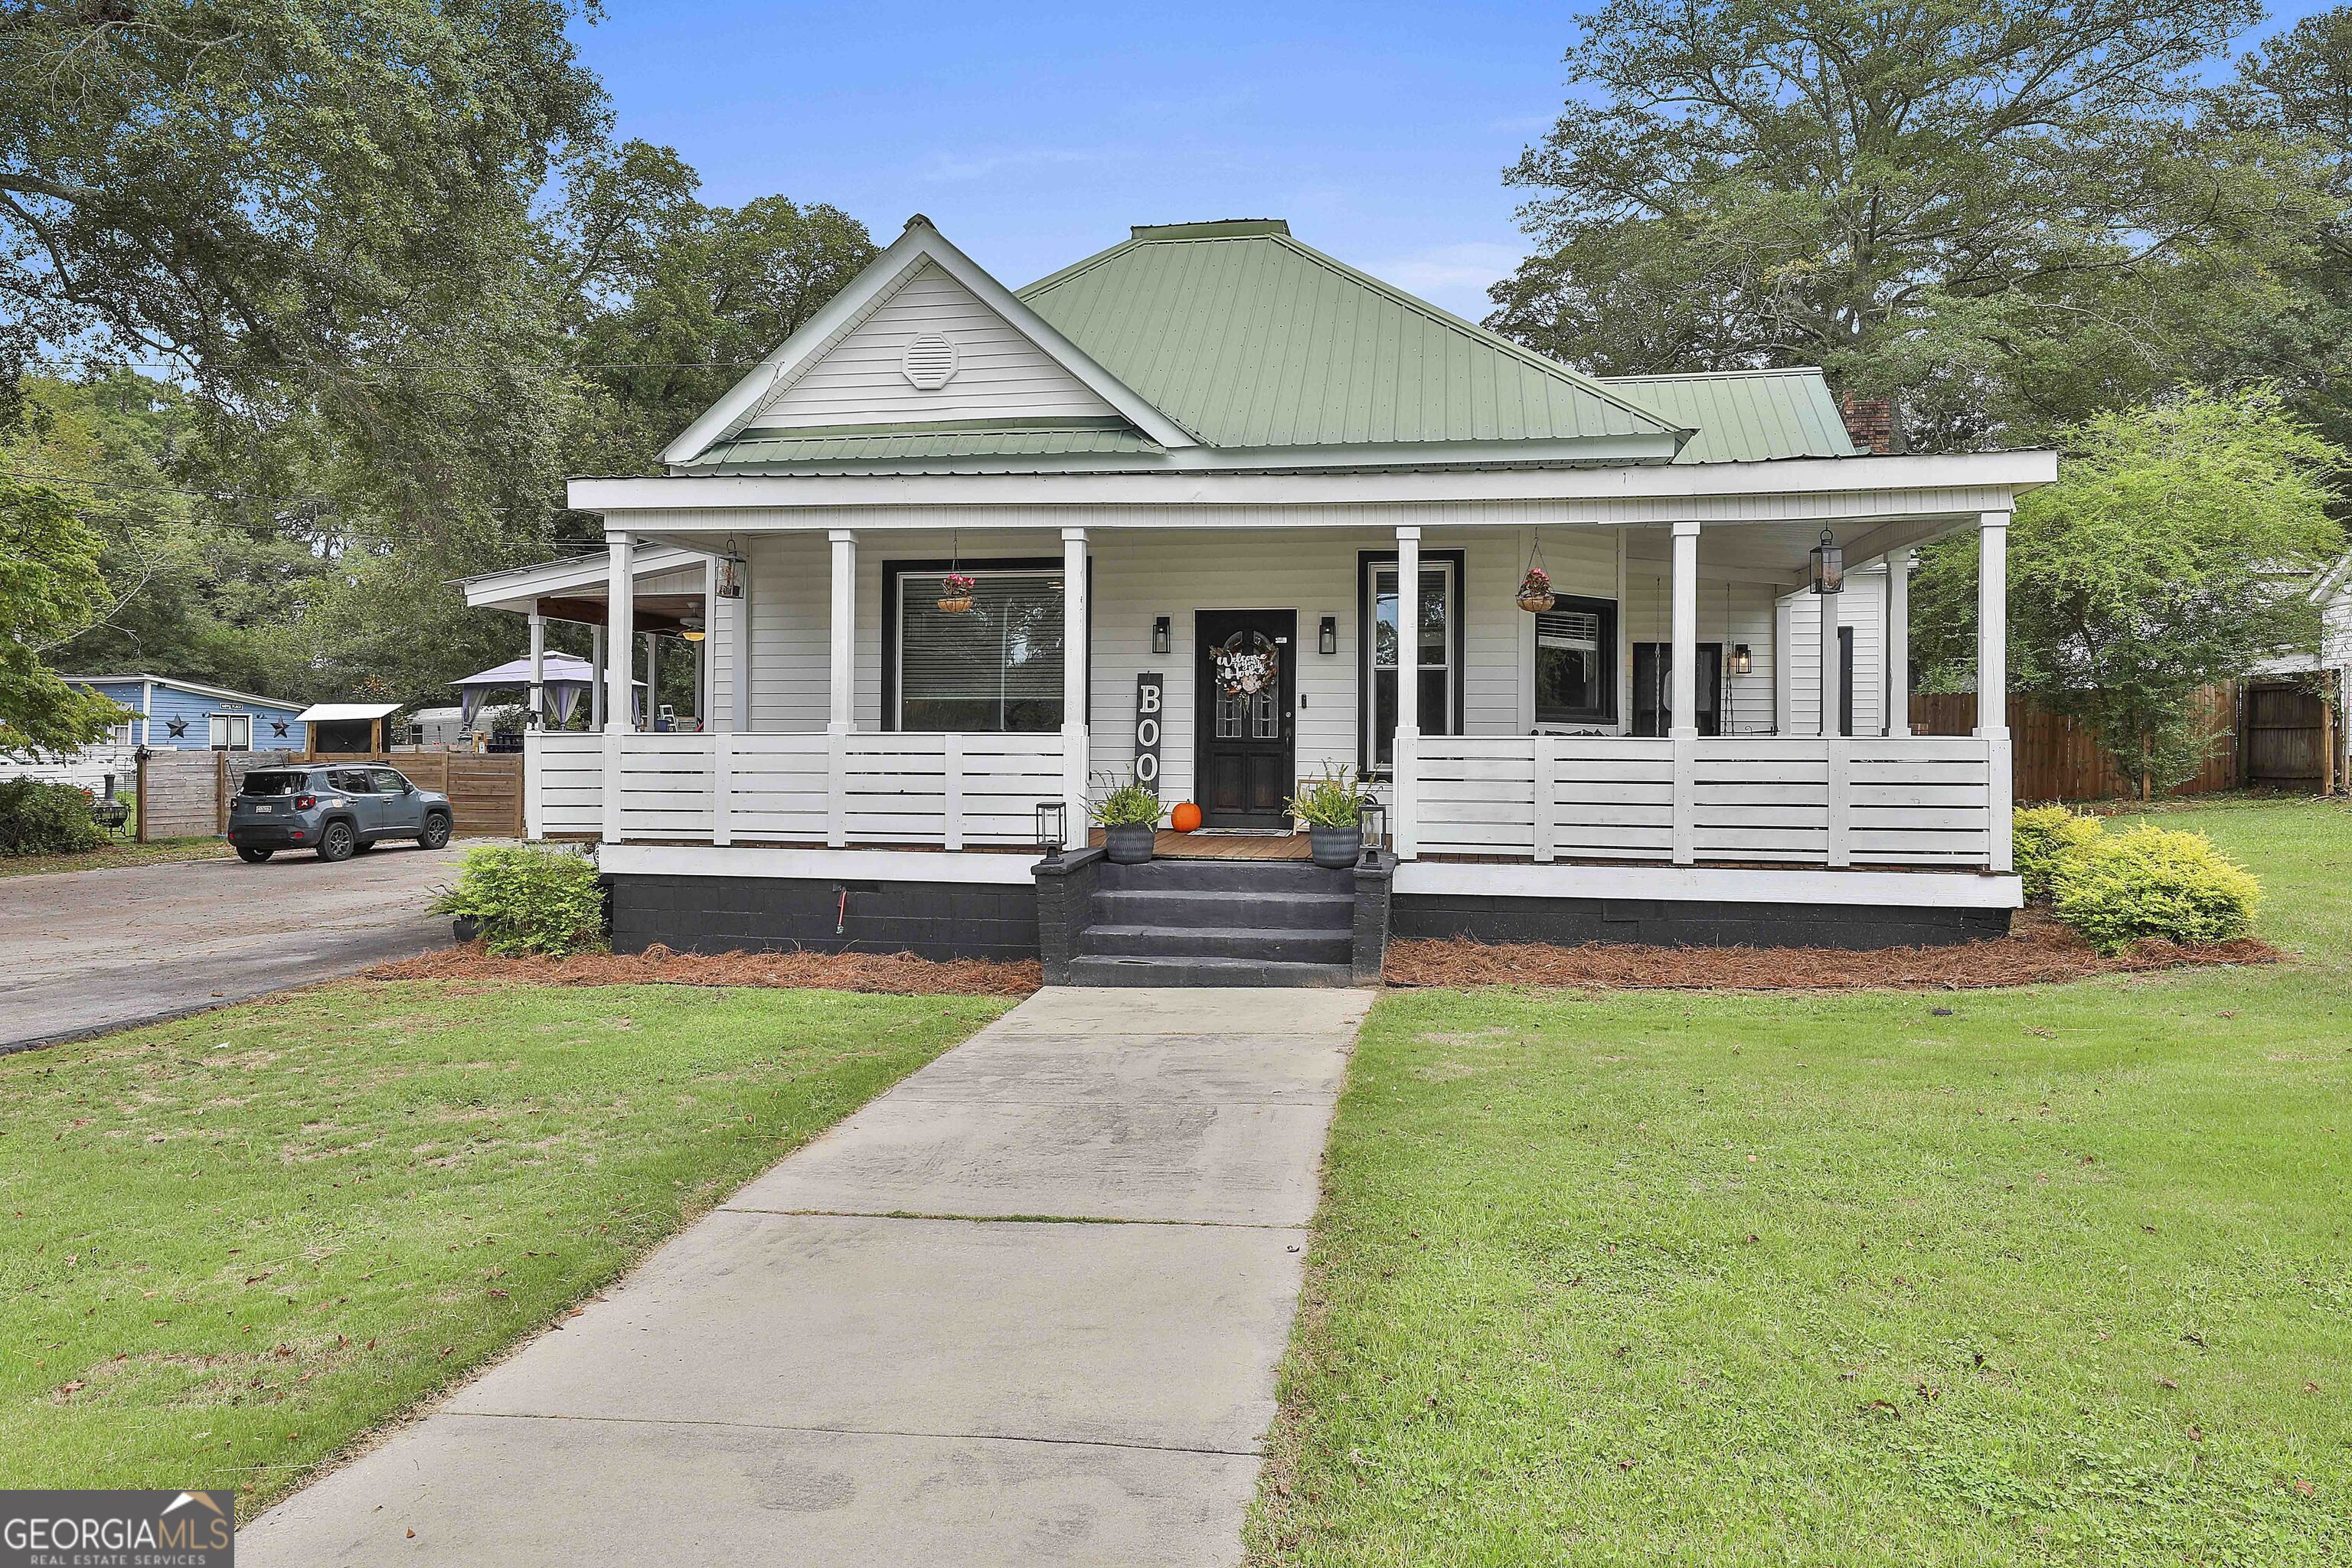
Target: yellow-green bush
{"points": [[529, 898], [2153, 881], [2041, 837]]}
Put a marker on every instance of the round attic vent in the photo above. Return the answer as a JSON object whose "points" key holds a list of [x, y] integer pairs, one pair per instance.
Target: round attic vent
{"points": [[929, 361]]}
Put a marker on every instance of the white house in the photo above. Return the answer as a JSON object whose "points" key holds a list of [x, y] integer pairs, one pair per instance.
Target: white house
{"points": [[1211, 444]]}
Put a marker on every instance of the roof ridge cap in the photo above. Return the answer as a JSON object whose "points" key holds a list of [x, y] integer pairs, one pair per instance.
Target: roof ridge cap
{"points": [[1439, 316]]}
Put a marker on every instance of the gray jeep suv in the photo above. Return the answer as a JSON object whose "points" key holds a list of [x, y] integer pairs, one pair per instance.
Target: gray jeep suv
{"points": [[336, 808]]}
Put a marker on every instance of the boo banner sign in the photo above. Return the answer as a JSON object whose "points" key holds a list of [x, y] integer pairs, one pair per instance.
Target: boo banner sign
{"points": [[1147, 731]]}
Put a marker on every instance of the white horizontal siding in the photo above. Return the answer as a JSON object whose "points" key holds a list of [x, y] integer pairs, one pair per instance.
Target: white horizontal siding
{"points": [[999, 371], [1863, 606]]}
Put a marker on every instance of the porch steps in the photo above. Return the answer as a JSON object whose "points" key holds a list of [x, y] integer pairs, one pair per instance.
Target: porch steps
{"points": [[1218, 922]]}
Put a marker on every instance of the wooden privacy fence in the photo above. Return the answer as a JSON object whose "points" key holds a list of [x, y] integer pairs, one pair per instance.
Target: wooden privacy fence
{"points": [[186, 793], [2054, 756]]}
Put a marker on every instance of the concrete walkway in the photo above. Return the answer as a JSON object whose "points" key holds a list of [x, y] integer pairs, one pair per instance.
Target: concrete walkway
{"points": [[803, 1378]]}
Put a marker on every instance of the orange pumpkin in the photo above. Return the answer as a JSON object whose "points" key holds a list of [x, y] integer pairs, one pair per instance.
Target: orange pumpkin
{"points": [[1185, 818]]}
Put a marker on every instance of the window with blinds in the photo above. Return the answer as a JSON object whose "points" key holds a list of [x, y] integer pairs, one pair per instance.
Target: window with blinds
{"points": [[1576, 663], [995, 667]]}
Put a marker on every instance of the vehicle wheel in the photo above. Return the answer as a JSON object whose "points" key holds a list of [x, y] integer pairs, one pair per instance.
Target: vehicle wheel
{"points": [[339, 842], [436, 834], [255, 857]]}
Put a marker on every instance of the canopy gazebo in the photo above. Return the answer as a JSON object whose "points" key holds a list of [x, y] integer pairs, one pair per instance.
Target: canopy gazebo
{"points": [[563, 679]]}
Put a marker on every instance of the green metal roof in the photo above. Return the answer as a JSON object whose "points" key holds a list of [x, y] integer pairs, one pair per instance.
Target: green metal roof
{"points": [[1249, 339], [757, 450], [1745, 416]]}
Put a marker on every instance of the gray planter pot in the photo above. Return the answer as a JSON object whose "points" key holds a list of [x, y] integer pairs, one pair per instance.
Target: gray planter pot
{"points": [[1129, 845], [1335, 848]]}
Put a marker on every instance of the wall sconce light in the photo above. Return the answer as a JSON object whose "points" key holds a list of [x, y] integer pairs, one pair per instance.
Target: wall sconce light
{"points": [[1829, 565], [1326, 635], [1159, 634], [1053, 826], [1741, 663]]}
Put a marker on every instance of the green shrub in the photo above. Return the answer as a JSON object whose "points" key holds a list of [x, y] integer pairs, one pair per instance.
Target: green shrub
{"points": [[1131, 805], [38, 819], [2045, 835], [2154, 881], [1334, 800], [530, 899]]}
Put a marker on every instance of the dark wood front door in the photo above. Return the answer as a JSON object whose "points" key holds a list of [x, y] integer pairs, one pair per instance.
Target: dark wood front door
{"points": [[1245, 746]]}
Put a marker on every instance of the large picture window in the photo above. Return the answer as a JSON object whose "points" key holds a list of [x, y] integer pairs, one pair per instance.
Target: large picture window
{"points": [[995, 667], [1576, 662]]}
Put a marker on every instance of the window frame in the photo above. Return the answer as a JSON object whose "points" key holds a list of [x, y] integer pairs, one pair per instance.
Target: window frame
{"points": [[1367, 562], [1607, 716], [893, 651]]}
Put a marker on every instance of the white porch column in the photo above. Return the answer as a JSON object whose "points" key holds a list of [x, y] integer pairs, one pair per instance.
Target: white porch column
{"points": [[620, 646], [738, 623], [597, 678], [841, 716], [1682, 694], [1404, 769], [1993, 678], [652, 678], [1075, 653], [1898, 643], [538, 667], [1832, 688]]}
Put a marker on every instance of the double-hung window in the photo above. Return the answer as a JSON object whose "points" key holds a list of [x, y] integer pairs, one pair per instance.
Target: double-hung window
{"points": [[996, 666], [1435, 658], [1576, 662]]}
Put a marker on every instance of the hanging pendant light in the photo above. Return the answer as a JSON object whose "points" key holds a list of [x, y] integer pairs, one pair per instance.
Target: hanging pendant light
{"points": [[1829, 565]]}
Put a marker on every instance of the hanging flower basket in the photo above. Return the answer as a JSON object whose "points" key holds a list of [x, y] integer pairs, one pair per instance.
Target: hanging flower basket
{"points": [[1534, 591], [955, 592]]}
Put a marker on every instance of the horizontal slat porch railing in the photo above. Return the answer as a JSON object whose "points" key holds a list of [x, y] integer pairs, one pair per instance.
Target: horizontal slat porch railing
{"points": [[1798, 800], [949, 791]]}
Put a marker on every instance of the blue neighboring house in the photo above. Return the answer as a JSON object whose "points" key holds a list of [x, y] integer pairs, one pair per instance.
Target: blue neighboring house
{"points": [[186, 715]]}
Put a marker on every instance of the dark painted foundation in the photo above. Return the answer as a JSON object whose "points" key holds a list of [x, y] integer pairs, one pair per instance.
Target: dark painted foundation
{"points": [[1673, 922], [773, 914]]}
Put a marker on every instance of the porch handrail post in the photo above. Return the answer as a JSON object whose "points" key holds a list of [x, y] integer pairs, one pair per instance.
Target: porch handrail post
{"points": [[1992, 681], [1075, 653], [1898, 643], [1404, 816], [1683, 695], [597, 678], [538, 667], [722, 786], [620, 666], [840, 691]]}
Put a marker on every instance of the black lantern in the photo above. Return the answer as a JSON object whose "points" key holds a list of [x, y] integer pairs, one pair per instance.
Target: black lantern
{"points": [[1375, 824], [1327, 636], [1829, 565], [1741, 663], [1053, 826], [1159, 634]]}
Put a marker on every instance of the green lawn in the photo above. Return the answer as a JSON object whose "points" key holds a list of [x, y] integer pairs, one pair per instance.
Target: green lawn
{"points": [[230, 1244], [116, 852], [2060, 1277]]}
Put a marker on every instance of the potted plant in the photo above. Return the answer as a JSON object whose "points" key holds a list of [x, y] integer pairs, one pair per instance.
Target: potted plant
{"points": [[1129, 815], [955, 591], [1333, 809], [1534, 591]]}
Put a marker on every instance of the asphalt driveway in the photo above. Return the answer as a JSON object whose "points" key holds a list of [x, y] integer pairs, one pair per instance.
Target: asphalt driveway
{"points": [[85, 951]]}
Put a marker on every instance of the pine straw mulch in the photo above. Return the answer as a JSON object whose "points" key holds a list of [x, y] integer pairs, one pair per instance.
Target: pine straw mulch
{"points": [[2038, 949], [901, 973]]}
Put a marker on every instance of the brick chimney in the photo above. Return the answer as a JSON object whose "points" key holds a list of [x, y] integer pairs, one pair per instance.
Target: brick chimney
{"points": [[1871, 422]]}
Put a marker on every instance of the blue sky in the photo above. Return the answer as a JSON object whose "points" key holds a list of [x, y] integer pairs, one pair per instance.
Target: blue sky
{"points": [[1033, 135]]}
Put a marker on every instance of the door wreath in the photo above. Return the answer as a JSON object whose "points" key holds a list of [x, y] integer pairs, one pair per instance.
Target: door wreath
{"points": [[1246, 673]]}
